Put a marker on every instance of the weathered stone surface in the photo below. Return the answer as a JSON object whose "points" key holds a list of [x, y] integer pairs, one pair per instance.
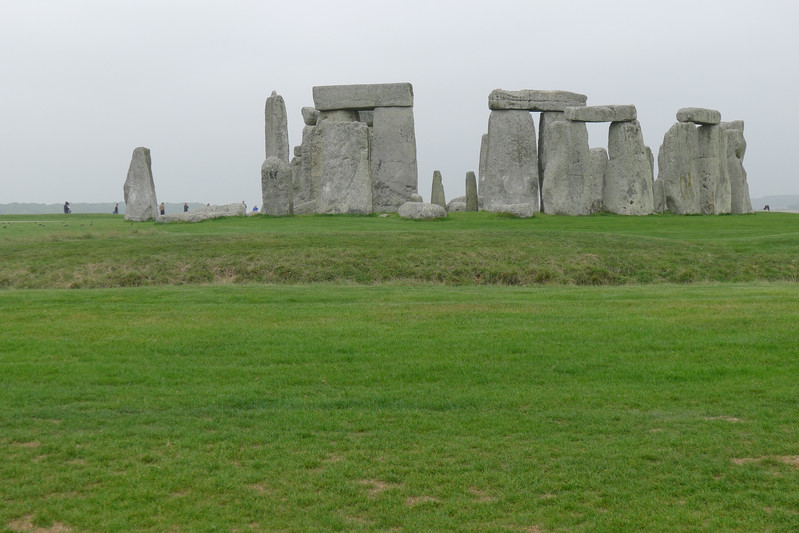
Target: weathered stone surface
{"points": [[363, 96], [740, 202], [678, 173], [511, 170], [699, 115], [437, 193], [517, 210], [481, 168], [659, 196], [601, 113], [367, 116], [595, 182], [305, 208], [531, 100], [395, 175], [298, 151], [305, 189], [472, 202], [300, 190], [714, 182], [544, 123], [139, 189], [338, 115], [456, 205], [567, 167], [276, 189], [205, 213], [420, 210], [340, 174], [310, 115], [416, 198], [277, 133], [628, 177]]}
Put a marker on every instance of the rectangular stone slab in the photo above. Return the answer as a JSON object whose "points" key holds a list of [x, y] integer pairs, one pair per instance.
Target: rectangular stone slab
{"points": [[699, 115], [601, 113], [368, 96], [531, 100]]}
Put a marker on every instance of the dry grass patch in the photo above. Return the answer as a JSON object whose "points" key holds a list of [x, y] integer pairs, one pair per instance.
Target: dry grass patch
{"points": [[26, 525], [377, 486], [413, 501]]}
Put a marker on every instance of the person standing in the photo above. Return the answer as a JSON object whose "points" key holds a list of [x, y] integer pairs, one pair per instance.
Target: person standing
{"points": [[185, 207], [162, 208], [116, 209], [66, 208]]}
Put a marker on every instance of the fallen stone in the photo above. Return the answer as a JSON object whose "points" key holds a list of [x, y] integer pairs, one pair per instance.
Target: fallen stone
{"points": [[511, 169], [456, 206], [567, 168], [530, 100], [601, 113], [416, 198], [699, 115], [472, 202], [276, 133], [419, 210], [678, 173], [715, 194], [437, 192], [517, 210], [276, 189], [310, 115], [340, 174], [205, 213], [628, 177], [740, 202], [139, 189], [367, 96], [395, 175]]}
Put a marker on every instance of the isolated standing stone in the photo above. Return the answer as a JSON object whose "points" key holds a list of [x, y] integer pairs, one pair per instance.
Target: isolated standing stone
{"points": [[471, 192], [678, 173], [740, 203], [532, 100], [277, 133], [276, 190], [628, 178], [340, 168], [567, 167], [714, 182], [601, 113], [699, 115], [139, 189], [437, 193], [395, 175], [511, 160]]}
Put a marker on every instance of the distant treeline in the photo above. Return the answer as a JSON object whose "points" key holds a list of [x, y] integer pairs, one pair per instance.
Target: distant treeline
{"points": [[103, 207]]}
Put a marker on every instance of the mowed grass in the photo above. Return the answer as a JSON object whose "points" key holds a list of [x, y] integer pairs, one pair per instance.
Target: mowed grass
{"points": [[93, 251], [409, 408]]}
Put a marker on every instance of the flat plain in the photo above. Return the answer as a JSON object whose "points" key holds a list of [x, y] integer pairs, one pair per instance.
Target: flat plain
{"points": [[481, 373]]}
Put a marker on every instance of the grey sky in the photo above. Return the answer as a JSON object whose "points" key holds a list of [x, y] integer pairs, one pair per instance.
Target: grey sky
{"points": [[85, 82]]}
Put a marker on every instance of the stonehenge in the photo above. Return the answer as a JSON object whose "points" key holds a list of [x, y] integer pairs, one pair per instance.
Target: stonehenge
{"points": [[139, 189]]}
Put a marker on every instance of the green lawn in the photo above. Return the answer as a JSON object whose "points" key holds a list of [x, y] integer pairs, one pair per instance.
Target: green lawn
{"points": [[481, 373]]}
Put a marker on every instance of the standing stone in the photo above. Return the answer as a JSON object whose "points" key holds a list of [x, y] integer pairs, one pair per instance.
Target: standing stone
{"points": [[659, 197], [481, 168], [393, 158], [277, 133], [511, 160], [299, 190], [740, 203], [471, 191], [678, 173], [305, 189], [714, 182], [628, 178], [567, 168], [340, 171], [437, 193], [595, 183], [139, 189], [276, 190], [544, 123]]}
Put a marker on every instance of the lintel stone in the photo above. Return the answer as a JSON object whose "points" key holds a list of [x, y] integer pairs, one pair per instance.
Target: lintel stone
{"points": [[367, 96], [601, 113], [699, 115], [532, 100]]}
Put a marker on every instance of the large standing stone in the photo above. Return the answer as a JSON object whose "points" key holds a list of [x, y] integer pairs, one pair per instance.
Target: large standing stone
{"points": [[714, 182], [393, 158], [595, 183], [471, 192], [545, 121], [277, 133], [678, 173], [601, 113], [437, 193], [699, 115], [481, 168], [306, 189], [740, 202], [511, 160], [276, 190], [531, 100], [363, 96], [340, 168], [628, 178], [565, 186], [299, 189], [139, 189]]}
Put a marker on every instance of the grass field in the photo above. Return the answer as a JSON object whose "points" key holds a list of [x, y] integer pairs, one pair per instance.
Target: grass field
{"points": [[408, 403]]}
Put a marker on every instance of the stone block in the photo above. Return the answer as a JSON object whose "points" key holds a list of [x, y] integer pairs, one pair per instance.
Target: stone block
{"points": [[740, 202], [340, 173], [678, 173], [368, 96], [481, 174], [699, 115], [472, 201], [511, 169], [276, 189], [628, 178], [310, 115], [393, 158], [276, 130], [601, 113], [139, 189], [437, 193], [420, 210], [595, 182], [566, 167], [531, 100], [715, 194]]}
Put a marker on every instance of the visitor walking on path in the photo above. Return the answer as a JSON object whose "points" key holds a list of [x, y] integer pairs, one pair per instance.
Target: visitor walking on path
{"points": [[116, 209], [162, 208], [66, 208], [185, 207]]}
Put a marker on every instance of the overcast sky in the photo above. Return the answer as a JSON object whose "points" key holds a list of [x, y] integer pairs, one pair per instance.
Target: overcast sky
{"points": [[83, 83]]}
